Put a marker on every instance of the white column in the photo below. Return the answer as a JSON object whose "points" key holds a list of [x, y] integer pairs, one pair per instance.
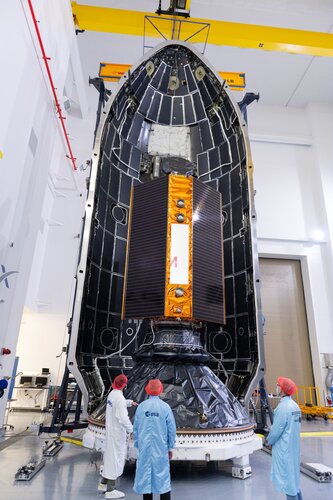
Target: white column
{"points": [[321, 123]]}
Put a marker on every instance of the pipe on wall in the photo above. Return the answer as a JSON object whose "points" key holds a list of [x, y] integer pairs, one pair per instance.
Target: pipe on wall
{"points": [[48, 71]]}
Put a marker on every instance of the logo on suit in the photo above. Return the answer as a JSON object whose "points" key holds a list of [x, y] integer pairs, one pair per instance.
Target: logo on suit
{"points": [[152, 414]]}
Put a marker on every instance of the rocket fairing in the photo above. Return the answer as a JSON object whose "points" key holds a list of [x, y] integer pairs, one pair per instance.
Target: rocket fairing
{"points": [[168, 276]]}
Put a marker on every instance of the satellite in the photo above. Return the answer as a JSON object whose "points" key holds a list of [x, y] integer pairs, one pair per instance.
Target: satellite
{"points": [[168, 283]]}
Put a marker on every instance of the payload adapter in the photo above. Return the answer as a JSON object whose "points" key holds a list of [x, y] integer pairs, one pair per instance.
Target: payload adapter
{"points": [[168, 283]]}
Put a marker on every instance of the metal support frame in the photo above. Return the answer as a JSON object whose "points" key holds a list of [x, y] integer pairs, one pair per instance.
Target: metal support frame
{"points": [[63, 408], [53, 448], [28, 471], [265, 404], [104, 94], [265, 407], [246, 101], [316, 471], [177, 8], [173, 28]]}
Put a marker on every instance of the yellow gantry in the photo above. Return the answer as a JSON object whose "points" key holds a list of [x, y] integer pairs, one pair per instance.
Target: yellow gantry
{"points": [[130, 22]]}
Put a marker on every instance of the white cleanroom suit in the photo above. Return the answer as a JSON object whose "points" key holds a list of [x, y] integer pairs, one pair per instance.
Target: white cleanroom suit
{"points": [[117, 424]]}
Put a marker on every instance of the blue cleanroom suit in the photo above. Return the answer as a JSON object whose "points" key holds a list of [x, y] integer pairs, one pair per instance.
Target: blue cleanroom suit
{"points": [[284, 436], [154, 435]]}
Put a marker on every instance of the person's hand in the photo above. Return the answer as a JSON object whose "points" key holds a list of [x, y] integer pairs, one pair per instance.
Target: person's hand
{"points": [[267, 445], [135, 404], [170, 454]]}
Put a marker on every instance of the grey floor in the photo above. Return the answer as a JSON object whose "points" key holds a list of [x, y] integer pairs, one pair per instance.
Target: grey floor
{"points": [[73, 473]]}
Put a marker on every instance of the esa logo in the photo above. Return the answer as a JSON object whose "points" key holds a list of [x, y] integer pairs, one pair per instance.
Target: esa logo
{"points": [[152, 414]]}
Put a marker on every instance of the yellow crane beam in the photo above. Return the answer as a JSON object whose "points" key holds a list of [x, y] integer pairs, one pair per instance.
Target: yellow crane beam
{"points": [[130, 22]]}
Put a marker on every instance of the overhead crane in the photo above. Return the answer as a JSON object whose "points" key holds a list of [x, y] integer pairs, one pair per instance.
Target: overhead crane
{"points": [[130, 22]]}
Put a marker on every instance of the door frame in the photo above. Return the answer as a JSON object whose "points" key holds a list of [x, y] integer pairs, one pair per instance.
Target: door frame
{"points": [[313, 276], [296, 266]]}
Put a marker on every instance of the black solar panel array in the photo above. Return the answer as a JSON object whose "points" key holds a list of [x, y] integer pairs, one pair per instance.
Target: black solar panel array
{"points": [[145, 282], [208, 286]]}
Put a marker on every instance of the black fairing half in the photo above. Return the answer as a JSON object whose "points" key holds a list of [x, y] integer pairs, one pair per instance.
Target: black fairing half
{"points": [[219, 157]]}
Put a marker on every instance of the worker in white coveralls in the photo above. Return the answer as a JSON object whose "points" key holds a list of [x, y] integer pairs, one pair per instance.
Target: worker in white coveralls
{"points": [[154, 436], [117, 425], [284, 437]]}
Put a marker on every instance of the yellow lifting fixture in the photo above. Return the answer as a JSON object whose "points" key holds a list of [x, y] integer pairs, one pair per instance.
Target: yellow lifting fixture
{"points": [[111, 72]]}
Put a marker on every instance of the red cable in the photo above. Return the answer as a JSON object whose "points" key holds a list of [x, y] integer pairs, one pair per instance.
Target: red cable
{"points": [[57, 104]]}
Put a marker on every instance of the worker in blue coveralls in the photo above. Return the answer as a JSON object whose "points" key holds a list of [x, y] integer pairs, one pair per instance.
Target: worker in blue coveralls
{"points": [[154, 435], [284, 437]]}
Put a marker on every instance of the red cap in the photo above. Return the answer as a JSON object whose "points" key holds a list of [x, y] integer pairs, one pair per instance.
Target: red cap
{"points": [[119, 382], [154, 387], [287, 385]]}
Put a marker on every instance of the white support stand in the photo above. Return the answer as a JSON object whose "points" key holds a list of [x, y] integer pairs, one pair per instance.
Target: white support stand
{"points": [[241, 468], [191, 448]]}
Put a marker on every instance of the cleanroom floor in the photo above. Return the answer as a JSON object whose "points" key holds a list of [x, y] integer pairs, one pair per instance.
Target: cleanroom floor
{"points": [[73, 473]]}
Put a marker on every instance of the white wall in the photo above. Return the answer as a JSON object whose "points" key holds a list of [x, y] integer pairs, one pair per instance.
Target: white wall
{"points": [[41, 197], [292, 154], [40, 343]]}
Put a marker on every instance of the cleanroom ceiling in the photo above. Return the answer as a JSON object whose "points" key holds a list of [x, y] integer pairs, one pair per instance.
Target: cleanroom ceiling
{"points": [[282, 79]]}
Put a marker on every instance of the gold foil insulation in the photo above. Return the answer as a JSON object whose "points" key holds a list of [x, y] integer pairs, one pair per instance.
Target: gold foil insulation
{"points": [[178, 296]]}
